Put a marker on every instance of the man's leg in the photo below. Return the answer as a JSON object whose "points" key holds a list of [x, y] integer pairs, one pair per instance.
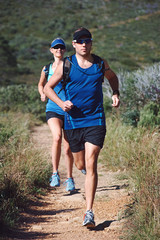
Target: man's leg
{"points": [[88, 159], [79, 159], [74, 137], [91, 156]]}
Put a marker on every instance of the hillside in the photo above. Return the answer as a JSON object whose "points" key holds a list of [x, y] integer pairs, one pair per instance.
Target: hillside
{"points": [[125, 32]]}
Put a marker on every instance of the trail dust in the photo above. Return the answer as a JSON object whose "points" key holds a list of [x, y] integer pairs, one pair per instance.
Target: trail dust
{"points": [[59, 215]]}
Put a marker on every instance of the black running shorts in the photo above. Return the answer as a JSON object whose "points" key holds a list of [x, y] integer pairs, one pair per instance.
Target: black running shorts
{"points": [[78, 137], [54, 115]]}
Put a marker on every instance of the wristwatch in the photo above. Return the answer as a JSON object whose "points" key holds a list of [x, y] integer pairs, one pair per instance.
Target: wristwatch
{"points": [[116, 92]]}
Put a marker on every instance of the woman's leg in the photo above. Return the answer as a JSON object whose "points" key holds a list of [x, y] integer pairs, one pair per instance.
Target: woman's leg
{"points": [[55, 125], [70, 185], [68, 157]]}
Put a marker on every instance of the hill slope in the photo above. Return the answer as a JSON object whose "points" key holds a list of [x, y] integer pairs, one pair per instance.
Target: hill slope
{"points": [[124, 31]]}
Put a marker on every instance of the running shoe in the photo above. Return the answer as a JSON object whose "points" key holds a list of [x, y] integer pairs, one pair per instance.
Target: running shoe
{"points": [[55, 180], [70, 186], [88, 220], [83, 171]]}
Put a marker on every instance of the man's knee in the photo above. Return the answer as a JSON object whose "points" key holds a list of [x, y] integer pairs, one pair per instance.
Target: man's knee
{"points": [[57, 139], [79, 160], [80, 165], [91, 165]]}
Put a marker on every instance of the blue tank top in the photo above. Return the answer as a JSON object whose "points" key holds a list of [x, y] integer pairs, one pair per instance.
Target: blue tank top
{"points": [[84, 90], [52, 106]]}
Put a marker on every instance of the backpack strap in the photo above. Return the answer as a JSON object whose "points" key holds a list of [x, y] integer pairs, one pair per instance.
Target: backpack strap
{"points": [[66, 71], [67, 62], [46, 70], [101, 64]]}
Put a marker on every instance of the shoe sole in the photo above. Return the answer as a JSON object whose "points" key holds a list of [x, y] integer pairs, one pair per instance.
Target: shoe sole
{"points": [[70, 190], [89, 225], [55, 186]]}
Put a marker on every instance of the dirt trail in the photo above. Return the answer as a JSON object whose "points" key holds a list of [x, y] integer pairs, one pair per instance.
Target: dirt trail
{"points": [[59, 215]]}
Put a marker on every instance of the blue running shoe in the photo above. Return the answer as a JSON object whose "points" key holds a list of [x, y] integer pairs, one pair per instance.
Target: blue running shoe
{"points": [[83, 171], [88, 220], [55, 180], [70, 186]]}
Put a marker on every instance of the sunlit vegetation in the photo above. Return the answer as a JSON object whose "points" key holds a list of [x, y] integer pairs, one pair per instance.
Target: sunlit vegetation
{"points": [[125, 33]]}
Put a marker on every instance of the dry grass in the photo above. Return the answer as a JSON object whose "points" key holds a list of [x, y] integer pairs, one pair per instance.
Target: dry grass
{"points": [[137, 149], [24, 170]]}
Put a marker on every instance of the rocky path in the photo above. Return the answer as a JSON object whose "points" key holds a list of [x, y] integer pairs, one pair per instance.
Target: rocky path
{"points": [[59, 215]]}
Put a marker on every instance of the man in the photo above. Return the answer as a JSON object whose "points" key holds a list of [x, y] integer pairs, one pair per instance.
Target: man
{"points": [[85, 119]]}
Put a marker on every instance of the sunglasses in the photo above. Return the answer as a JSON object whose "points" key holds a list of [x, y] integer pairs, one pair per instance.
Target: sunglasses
{"points": [[59, 46], [81, 41]]}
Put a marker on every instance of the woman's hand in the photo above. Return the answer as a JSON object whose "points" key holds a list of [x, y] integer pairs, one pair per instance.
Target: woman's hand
{"points": [[43, 97]]}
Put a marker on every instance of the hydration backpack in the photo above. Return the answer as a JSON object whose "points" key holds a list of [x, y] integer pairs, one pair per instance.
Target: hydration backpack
{"points": [[46, 70]]}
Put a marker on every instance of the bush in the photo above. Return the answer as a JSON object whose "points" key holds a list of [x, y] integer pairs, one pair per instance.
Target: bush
{"points": [[150, 115], [131, 117], [5, 134], [22, 98], [137, 89]]}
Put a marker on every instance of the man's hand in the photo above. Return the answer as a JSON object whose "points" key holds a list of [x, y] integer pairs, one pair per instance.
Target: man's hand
{"points": [[67, 106], [116, 101]]}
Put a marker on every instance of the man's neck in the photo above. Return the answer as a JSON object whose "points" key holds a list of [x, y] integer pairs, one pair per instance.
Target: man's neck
{"points": [[86, 57], [84, 61]]}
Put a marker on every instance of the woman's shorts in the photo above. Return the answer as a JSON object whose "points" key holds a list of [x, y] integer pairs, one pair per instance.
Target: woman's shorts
{"points": [[78, 137], [54, 115]]}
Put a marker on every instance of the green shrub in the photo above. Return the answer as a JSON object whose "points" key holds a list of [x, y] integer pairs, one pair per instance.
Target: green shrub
{"points": [[24, 98], [137, 89], [150, 115], [131, 117], [5, 134]]}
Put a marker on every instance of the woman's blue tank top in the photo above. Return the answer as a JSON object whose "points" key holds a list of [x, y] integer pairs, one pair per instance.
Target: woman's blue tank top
{"points": [[52, 106], [84, 90]]}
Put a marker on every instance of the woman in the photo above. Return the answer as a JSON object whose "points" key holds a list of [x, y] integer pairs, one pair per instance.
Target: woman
{"points": [[55, 118]]}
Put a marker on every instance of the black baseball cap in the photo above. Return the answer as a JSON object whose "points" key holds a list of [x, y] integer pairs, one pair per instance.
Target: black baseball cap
{"points": [[82, 32]]}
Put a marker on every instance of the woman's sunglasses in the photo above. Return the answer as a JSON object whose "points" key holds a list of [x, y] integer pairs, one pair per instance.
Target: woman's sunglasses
{"points": [[81, 41], [59, 46]]}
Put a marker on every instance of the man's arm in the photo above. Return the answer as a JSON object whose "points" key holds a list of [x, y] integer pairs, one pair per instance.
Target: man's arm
{"points": [[114, 83], [50, 93]]}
